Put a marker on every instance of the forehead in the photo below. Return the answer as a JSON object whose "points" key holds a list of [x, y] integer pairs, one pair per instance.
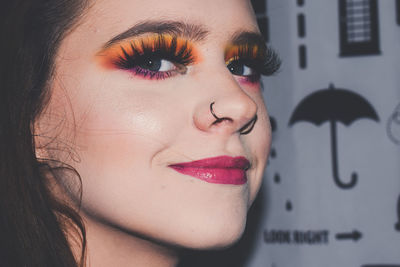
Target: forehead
{"points": [[108, 18]]}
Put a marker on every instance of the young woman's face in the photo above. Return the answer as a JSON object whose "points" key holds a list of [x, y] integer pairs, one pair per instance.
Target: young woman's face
{"points": [[138, 88]]}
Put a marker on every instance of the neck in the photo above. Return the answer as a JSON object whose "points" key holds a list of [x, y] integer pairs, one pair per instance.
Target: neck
{"points": [[109, 246]]}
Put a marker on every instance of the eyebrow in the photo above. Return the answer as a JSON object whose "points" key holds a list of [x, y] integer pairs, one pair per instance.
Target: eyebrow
{"points": [[190, 31]]}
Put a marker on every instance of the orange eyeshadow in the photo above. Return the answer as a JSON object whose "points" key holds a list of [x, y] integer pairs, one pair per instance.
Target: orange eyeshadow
{"points": [[108, 56], [233, 52]]}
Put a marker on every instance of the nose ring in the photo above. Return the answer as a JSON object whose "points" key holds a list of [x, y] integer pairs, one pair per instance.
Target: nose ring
{"points": [[213, 113], [217, 119], [247, 128]]}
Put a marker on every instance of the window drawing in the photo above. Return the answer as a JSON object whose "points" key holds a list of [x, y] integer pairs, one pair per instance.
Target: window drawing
{"points": [[358, 21], [260, 8]]}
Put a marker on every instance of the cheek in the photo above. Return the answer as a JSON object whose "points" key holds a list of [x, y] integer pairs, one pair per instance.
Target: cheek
{"points": [[260, 139], [131, 128], [114, 108], [116, 132], [117, 141], [260, 143]]}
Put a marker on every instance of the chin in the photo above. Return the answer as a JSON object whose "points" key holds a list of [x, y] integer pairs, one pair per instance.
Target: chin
{"points": [[223, 239], [213, 233]]}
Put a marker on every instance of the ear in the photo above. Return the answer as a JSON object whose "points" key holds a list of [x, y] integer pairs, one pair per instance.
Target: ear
{"points": [[39, 141], [44, 132]]}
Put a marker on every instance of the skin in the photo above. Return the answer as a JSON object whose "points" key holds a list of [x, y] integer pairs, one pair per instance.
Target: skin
{"points": [[120, 133]]}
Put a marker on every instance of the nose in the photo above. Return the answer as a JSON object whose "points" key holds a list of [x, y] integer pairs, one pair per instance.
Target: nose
{"points": [[231, 110]]}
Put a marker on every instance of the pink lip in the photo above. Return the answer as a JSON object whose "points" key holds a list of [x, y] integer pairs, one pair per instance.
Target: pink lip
{"points": [[218, 170]]}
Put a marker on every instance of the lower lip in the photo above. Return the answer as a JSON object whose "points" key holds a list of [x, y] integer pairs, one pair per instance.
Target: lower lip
{"points": [[220, 170]]}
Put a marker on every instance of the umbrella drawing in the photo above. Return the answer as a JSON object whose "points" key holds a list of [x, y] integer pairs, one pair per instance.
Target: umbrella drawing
{"points": [[334, 105]]}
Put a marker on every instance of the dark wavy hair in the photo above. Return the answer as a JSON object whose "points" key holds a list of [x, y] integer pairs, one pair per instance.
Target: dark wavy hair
{"points": [[33, 223]]}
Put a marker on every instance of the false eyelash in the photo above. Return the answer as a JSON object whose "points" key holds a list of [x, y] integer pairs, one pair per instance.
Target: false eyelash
{"points": [[150, 74], [160, 49], [266, 62]]}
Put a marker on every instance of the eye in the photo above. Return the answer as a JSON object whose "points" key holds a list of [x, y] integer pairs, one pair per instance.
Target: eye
{"points": [[156, 64], [154, 57], [238, 68]]}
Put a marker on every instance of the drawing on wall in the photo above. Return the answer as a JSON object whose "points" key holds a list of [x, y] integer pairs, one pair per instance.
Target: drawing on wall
{"points": [[393, 126], [334, 105], [381, 265], [355, 236], [274, 126], [260, 8], [358, 25], [397, 225], [288, 205], [272, 155]]}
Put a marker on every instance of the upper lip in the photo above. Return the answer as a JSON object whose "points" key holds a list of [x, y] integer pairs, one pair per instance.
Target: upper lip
{"points": [[220, 162]]}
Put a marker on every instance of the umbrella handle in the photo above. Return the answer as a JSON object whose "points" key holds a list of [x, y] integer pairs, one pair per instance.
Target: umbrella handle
{"points": [[343, 185], [397, 225], [335, 168]]}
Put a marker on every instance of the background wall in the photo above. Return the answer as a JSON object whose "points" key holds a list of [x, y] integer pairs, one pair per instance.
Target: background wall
{"points": [[331, 194]]}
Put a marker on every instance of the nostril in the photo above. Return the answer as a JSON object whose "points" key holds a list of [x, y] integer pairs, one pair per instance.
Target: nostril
{"points": [[219, 120]]}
